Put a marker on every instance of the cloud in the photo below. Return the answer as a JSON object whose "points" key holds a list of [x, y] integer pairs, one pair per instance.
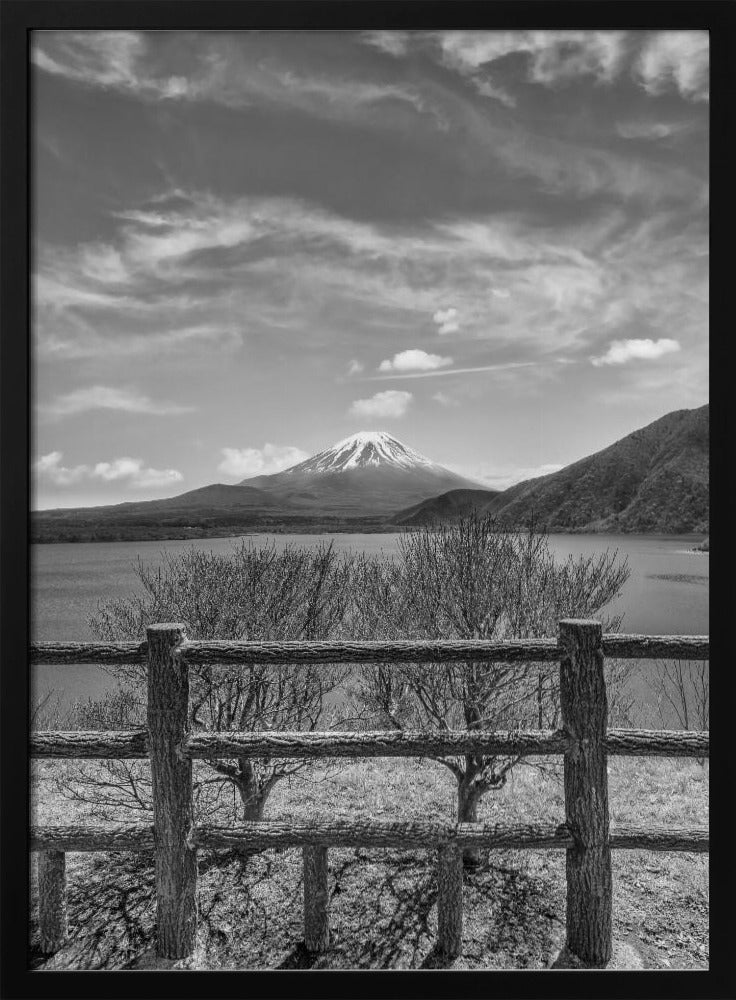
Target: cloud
{"points": [[446, 320], [395, 43], [222, 68], [102, 262], [131, 471], [355, 367], [676, 60], [247, 462], [98, 58], [503, 366], [391, 403], [68, 336], [554, 57], [649, 130], [488, 89], [49, 468], [101, 397], [502, 478], [206, 272], [135, 474], [622, 351], [661, 61], [444, 400], [414, 360]]}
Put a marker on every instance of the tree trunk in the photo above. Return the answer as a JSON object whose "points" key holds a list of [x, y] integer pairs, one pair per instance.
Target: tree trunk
{"points": [[253, 806], [253, 797], [467, 812]]}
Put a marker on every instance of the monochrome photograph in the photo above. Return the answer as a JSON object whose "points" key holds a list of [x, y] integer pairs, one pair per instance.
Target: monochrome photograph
{"points": [[370, 500]]}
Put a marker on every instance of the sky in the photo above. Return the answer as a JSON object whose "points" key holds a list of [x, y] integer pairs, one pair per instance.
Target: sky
{"points": [[249, 245]]}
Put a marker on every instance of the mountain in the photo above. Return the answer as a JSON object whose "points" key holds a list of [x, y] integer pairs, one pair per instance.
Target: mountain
{"points": [[352, 486], [653, 480], [367, 473], [216, 497], [445, 507], [196, 513]]}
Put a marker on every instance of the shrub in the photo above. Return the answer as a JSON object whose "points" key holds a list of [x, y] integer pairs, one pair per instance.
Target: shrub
{"points": [[470, 580]]}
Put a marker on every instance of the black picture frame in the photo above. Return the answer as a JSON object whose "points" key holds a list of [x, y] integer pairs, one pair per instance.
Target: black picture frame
{"points": [[19, 17]]}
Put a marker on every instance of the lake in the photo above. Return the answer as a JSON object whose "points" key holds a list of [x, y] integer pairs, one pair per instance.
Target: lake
{"points": [[667, 591]]}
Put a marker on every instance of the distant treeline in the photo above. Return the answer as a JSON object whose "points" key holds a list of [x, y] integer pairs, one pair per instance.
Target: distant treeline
{"points": [[49, 530]]}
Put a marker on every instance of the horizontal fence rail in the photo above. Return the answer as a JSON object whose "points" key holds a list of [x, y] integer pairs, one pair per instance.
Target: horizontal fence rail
{"points": [[584, 743], [628, 647], [88, 652], [267, 834], [133, 744]]}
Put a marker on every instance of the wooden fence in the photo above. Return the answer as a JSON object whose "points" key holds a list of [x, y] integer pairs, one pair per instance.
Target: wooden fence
{"points": [[584, 741]]}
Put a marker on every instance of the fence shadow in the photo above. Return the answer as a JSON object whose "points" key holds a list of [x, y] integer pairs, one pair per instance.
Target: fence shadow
{"points": [[383, 913], [299, 958]]}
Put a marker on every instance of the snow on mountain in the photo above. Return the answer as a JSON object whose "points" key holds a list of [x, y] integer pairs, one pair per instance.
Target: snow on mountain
{"points": [[363, 450], [368, 473]]}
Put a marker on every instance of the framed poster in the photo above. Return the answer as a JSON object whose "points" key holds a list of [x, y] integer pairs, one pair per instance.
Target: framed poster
{"points": [[357, 497]]}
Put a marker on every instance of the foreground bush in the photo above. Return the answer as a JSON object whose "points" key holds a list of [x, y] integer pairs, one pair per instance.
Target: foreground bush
{"points": [[255, 593]]}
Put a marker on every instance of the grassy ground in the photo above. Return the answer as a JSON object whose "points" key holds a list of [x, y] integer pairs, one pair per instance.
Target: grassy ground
{"points": [[383, 903]]}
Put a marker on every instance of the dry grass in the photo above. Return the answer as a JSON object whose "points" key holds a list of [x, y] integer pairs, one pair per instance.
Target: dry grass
{"points": [[383, 903]]}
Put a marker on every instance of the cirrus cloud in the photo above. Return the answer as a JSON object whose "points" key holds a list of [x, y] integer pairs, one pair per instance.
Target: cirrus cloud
{"points": [[102, 397], [221, 68], [414, 361], [390, 403], [622, 351]]}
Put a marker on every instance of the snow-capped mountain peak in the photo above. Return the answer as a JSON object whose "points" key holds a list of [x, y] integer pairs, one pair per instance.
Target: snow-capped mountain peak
{"points": [[370, 472], [363, 450]]}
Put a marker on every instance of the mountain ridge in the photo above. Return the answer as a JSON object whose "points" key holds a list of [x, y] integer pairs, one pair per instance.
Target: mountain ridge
{"points": [[652, 480]]}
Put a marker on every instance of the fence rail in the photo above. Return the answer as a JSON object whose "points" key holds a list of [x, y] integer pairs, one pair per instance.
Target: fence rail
{"points": [[628, 647], [363, 833], [584, 742], [133, 744]]}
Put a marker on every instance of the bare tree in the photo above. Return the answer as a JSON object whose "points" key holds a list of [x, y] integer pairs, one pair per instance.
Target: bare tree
{"points": [[470, 580], [255, 593], [682, 689]]}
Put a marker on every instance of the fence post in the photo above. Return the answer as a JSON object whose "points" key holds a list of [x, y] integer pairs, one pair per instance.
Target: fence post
{"points": [[173, 817], [316, 896], [584, 716], [52, 919], [450, 901]]}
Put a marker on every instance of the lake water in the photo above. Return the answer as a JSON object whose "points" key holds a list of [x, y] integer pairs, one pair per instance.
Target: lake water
{"points": [[667, 591]]}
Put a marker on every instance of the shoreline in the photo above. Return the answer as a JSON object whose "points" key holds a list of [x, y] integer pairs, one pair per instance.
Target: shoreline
{"points": [[352, 529]]}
